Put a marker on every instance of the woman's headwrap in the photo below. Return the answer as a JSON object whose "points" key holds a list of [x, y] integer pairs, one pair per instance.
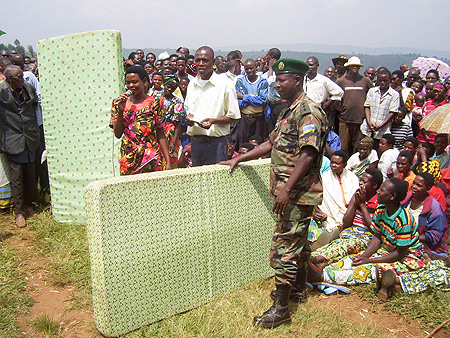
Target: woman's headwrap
{"points": [[432, 167], [438, 86], [170, 79], [367, 141]]}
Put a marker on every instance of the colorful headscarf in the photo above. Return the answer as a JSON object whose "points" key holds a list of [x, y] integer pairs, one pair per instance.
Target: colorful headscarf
{"points": [[170, 79], [438, 86], [432, 167]]}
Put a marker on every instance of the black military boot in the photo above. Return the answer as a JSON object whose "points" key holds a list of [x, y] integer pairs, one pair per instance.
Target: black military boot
{"points": [[299, 291], [278, 313]]}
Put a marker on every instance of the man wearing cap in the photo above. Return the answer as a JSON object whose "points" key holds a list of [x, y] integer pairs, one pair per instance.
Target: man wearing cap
{"points": [[296, 145], [355, 88], [211, 106], [339, 63]]}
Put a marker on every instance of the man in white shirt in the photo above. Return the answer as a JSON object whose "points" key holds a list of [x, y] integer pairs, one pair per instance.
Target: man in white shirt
{"points": [[319, 88], [211, 105]]}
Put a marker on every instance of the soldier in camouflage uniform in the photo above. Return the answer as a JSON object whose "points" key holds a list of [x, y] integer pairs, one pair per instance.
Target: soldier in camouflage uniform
{"points": [[296, 145]]}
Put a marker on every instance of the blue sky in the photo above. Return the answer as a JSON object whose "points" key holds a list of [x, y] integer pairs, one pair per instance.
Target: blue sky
{"points": [[172, 23]]}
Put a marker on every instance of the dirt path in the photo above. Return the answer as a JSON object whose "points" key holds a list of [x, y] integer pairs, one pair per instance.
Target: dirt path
{"points": [[54, 301], [57, 302]]}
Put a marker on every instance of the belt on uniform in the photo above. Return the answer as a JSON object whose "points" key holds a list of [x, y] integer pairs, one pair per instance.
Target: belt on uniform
{"points": [[202, 138]]}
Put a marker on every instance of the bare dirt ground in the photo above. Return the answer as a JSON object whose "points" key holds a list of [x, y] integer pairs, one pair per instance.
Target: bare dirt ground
{"points": [[57, 302], [54, 301]]}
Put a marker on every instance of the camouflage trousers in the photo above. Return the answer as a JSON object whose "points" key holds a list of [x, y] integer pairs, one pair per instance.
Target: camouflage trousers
{"points": [[290, 245]]}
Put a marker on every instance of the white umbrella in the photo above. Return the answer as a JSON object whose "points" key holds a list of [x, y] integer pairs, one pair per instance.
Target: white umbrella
{"points": [[425, 64]]}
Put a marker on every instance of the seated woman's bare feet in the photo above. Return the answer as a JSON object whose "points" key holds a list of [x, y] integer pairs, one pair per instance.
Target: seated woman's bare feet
{"points": [[354, 249]]}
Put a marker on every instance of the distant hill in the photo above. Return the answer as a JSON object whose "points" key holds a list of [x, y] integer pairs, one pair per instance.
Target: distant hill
{"points": [[369, 56]]}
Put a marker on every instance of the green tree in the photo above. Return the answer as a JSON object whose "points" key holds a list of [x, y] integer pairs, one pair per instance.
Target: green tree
{"points": [[30, 50], [20, 49]]}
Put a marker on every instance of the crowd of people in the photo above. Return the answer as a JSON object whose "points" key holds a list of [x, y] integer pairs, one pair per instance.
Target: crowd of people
{"points": [[383, 214]]}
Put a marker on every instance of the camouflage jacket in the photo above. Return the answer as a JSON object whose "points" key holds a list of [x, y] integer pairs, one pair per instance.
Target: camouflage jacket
{"points": [[304, 123]]}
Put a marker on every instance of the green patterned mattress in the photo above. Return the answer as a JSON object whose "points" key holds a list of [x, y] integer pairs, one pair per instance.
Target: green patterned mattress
{"points": [[80, 74], [166, 242]]}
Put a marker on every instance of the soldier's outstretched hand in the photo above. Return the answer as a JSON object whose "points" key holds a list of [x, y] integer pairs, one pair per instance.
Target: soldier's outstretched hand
{"points": [[232, 163]]}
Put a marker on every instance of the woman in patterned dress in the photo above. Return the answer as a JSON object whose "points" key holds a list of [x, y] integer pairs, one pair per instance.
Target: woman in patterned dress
{"points": [[138, 119], [174, 108]]}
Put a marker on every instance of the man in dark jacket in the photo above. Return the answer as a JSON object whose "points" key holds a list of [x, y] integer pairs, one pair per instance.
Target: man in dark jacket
{"points": [[19, 138]]}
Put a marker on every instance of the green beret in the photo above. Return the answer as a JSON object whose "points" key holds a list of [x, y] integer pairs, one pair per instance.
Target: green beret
{"points": [[286, 65]]}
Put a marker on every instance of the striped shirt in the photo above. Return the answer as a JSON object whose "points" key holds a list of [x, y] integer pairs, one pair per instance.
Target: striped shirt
{"points": [[401, 133], [399, 229]]}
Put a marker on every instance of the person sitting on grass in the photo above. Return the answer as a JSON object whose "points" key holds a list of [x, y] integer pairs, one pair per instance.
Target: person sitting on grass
{"points": [[438, 190], [404, 163], [339, 185], [440, 143], [424, 153], [395, 248], [354, 233], [411, 145], [428, 214], [365, 157]]}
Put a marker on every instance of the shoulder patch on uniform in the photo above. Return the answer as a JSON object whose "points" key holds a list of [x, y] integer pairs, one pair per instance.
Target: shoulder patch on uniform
{"points": [[310, 128]]}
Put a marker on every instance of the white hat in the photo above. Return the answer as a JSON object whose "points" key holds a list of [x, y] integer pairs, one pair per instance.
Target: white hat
{"points": [[353, 61], [163, 56]]}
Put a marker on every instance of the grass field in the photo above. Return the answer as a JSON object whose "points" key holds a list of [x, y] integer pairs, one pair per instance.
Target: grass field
{"points": [[65, 249]]}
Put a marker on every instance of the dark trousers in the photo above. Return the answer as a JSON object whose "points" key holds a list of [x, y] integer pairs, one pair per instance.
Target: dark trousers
{"points": [[23, 185], [250, 125], [209, 152]]}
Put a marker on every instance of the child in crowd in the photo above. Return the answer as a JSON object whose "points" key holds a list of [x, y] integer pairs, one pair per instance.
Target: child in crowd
{"points": [[440, 143], [364, 158], [411, 145], [399, 129], [185, 160], [417, 86], [256, 140], [245, 148], [157, 80], [404, 162], [230, 145], [417, 112], [424, 153], [389, 154], [183, 86]]}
